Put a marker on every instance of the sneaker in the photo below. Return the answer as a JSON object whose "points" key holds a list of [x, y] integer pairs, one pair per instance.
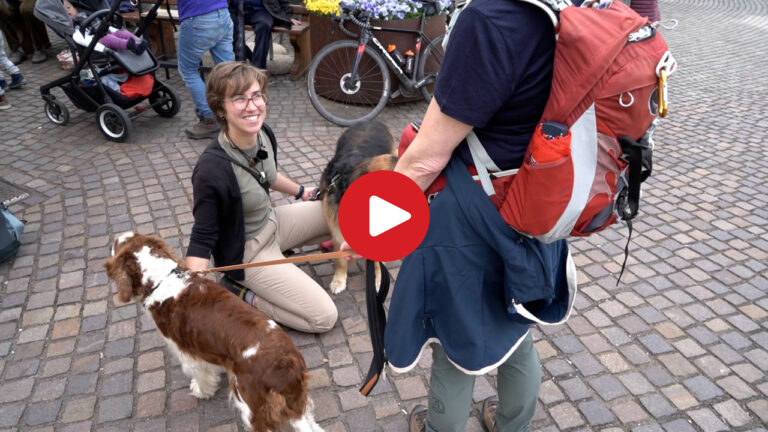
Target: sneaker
{"points": [[17, 56], [39, 56], [489, 413], [206, 127], [17, 81], [4, 104], [417, 420]]}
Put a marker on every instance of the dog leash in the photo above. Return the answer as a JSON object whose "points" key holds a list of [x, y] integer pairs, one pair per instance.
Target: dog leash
{"points": [[293, 259]]}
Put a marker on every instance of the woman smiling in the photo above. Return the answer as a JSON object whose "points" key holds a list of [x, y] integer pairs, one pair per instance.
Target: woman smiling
{"points": [[233, 217]]}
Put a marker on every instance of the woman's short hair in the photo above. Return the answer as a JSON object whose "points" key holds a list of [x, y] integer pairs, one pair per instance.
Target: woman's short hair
{"points": [[229, 79]]}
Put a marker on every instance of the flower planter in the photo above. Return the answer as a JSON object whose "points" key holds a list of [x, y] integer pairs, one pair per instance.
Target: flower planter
{"points": [[323, 31]]}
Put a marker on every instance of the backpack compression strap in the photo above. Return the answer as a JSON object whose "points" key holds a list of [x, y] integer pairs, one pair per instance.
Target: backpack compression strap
{"points": [[639, 157]]}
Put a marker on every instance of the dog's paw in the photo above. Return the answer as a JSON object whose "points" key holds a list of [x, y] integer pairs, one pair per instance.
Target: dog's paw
{"points": [[338, 285], [197, 392]]}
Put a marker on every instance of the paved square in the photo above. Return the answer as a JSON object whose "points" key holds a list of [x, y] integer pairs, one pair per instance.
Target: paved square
{"points": [[681, 344]]}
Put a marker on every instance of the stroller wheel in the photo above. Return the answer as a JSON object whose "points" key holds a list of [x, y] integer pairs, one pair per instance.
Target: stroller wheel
{"points": [[113, 122], [164, 101], [57, 112]]}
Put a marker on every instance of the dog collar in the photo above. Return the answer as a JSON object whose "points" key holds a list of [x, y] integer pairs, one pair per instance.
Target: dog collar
{"points": [[177, 271]]}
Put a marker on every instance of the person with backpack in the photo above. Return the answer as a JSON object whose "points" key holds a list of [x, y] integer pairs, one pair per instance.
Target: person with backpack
{"points": [[233, 215], [500, 95], [451, 292]]}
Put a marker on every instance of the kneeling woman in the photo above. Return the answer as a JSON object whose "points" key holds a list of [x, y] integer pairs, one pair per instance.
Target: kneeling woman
{"points": [[234, 218]]}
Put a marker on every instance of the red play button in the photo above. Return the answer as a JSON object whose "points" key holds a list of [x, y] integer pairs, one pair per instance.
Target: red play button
{"points": [[383, 216]]}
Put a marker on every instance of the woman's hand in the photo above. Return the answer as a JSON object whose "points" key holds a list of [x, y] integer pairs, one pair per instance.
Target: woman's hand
{"points": [[295, 22], [308, 193], [196, 264]]}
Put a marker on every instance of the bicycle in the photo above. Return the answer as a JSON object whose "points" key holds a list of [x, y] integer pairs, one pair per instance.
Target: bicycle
{"points": [[348, 80]]}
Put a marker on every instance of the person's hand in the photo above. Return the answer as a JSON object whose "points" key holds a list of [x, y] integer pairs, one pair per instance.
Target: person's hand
{"points": [[308, 193], [295, 22], [345, 246]]}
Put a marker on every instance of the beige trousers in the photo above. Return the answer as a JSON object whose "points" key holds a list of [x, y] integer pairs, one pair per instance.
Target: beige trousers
{"points": [[283, 291]]}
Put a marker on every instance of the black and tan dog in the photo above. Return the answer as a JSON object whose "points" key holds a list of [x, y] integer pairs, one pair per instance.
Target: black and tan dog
{"points": [[363, 148]]}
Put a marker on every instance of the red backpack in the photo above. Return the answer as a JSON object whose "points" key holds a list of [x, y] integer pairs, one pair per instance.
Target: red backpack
{"points": [[608, 87]]}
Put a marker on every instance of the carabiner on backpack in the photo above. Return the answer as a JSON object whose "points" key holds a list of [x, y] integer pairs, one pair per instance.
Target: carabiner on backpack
{"points": [[666, 66]]}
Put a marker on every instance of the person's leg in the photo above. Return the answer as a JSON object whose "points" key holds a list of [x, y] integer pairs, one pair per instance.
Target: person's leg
{"points": [[262, 22], [450, 395], [222, 49], [301, 224], [284, 292], [196, 36], [9, 31], [36, 30], [13, 31], [17, 80], [518, 382]]}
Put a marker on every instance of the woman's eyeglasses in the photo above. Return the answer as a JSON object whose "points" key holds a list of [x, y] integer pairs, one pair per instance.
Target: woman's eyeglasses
{"points": [[241, 102]]}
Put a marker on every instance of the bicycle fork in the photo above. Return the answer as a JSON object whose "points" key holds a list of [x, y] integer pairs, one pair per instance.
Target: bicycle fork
{"points": [[350, 83]]}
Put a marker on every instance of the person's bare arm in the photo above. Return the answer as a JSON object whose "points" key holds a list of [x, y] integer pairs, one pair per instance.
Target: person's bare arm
{"points": [[287, 186], [431, 150]]}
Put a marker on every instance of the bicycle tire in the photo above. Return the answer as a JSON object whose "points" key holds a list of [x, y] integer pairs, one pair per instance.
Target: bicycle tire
{"points": [[429, 63], [324, 82]]}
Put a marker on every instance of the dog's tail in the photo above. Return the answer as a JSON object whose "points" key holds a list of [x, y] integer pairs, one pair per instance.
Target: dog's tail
{"points": [[282, 398], [288, 382]]}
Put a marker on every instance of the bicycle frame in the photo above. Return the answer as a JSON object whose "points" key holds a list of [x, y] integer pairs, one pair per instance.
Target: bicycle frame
{"points": [[366, 35]]}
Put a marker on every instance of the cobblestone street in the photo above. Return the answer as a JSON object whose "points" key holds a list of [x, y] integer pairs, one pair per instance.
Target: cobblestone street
{"points": [[681, 344]]}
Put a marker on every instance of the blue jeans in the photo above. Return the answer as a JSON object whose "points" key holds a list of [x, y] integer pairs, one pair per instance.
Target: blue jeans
{"points": [[208, 32]]}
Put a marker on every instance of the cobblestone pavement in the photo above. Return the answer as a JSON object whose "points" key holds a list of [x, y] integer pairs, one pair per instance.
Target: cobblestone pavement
{"points": [[680, 345]]}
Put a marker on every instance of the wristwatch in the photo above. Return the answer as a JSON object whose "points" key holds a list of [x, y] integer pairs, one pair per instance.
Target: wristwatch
{"points": [[300, 194]]}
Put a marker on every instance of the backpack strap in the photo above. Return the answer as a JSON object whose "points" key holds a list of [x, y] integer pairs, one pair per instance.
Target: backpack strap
{"points": [[482, 162], [551, 7]]}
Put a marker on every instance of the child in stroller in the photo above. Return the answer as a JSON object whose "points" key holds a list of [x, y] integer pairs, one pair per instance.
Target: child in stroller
{"points": [[116, 39], [100, 60]]}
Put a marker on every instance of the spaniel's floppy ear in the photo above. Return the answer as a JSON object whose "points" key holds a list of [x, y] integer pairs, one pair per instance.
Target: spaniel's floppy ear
{"points": [[117, 270]]}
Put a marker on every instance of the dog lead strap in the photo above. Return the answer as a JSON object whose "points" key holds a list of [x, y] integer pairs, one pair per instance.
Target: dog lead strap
{"points": [[377, 321], [293, 259]]}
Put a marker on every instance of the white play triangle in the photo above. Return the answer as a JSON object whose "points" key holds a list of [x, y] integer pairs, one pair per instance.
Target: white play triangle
{"points": [[383, 216]]}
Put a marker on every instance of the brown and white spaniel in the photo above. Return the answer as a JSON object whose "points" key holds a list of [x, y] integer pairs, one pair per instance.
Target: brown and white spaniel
{"points": [[212, 331]]}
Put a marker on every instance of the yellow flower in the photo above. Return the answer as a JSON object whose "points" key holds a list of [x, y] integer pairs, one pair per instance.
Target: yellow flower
{"points": [[323, 7]]}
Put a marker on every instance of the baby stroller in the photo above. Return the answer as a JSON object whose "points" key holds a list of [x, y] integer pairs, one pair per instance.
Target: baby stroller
{"points": [[84, 84]]}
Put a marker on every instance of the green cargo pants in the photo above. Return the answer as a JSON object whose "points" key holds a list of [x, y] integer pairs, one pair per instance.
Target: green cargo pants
{"points": [[450, 391]]}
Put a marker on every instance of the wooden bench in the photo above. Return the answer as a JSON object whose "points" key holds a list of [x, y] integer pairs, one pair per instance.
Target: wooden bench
{"points": [[162, 38]]}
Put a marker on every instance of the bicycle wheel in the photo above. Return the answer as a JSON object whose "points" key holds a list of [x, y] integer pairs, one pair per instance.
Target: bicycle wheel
{"points": [[331, 91], [429, 65]]}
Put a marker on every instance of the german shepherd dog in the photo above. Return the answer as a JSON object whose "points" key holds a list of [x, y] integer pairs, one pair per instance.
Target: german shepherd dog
{"points": [[362, 148]]}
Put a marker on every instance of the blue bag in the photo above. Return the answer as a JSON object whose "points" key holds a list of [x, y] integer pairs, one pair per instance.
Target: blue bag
{"points": [[10, 233]]}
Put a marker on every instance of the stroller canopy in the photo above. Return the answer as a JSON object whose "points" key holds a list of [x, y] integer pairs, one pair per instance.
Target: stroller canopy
{"points": [[53, 13]]}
